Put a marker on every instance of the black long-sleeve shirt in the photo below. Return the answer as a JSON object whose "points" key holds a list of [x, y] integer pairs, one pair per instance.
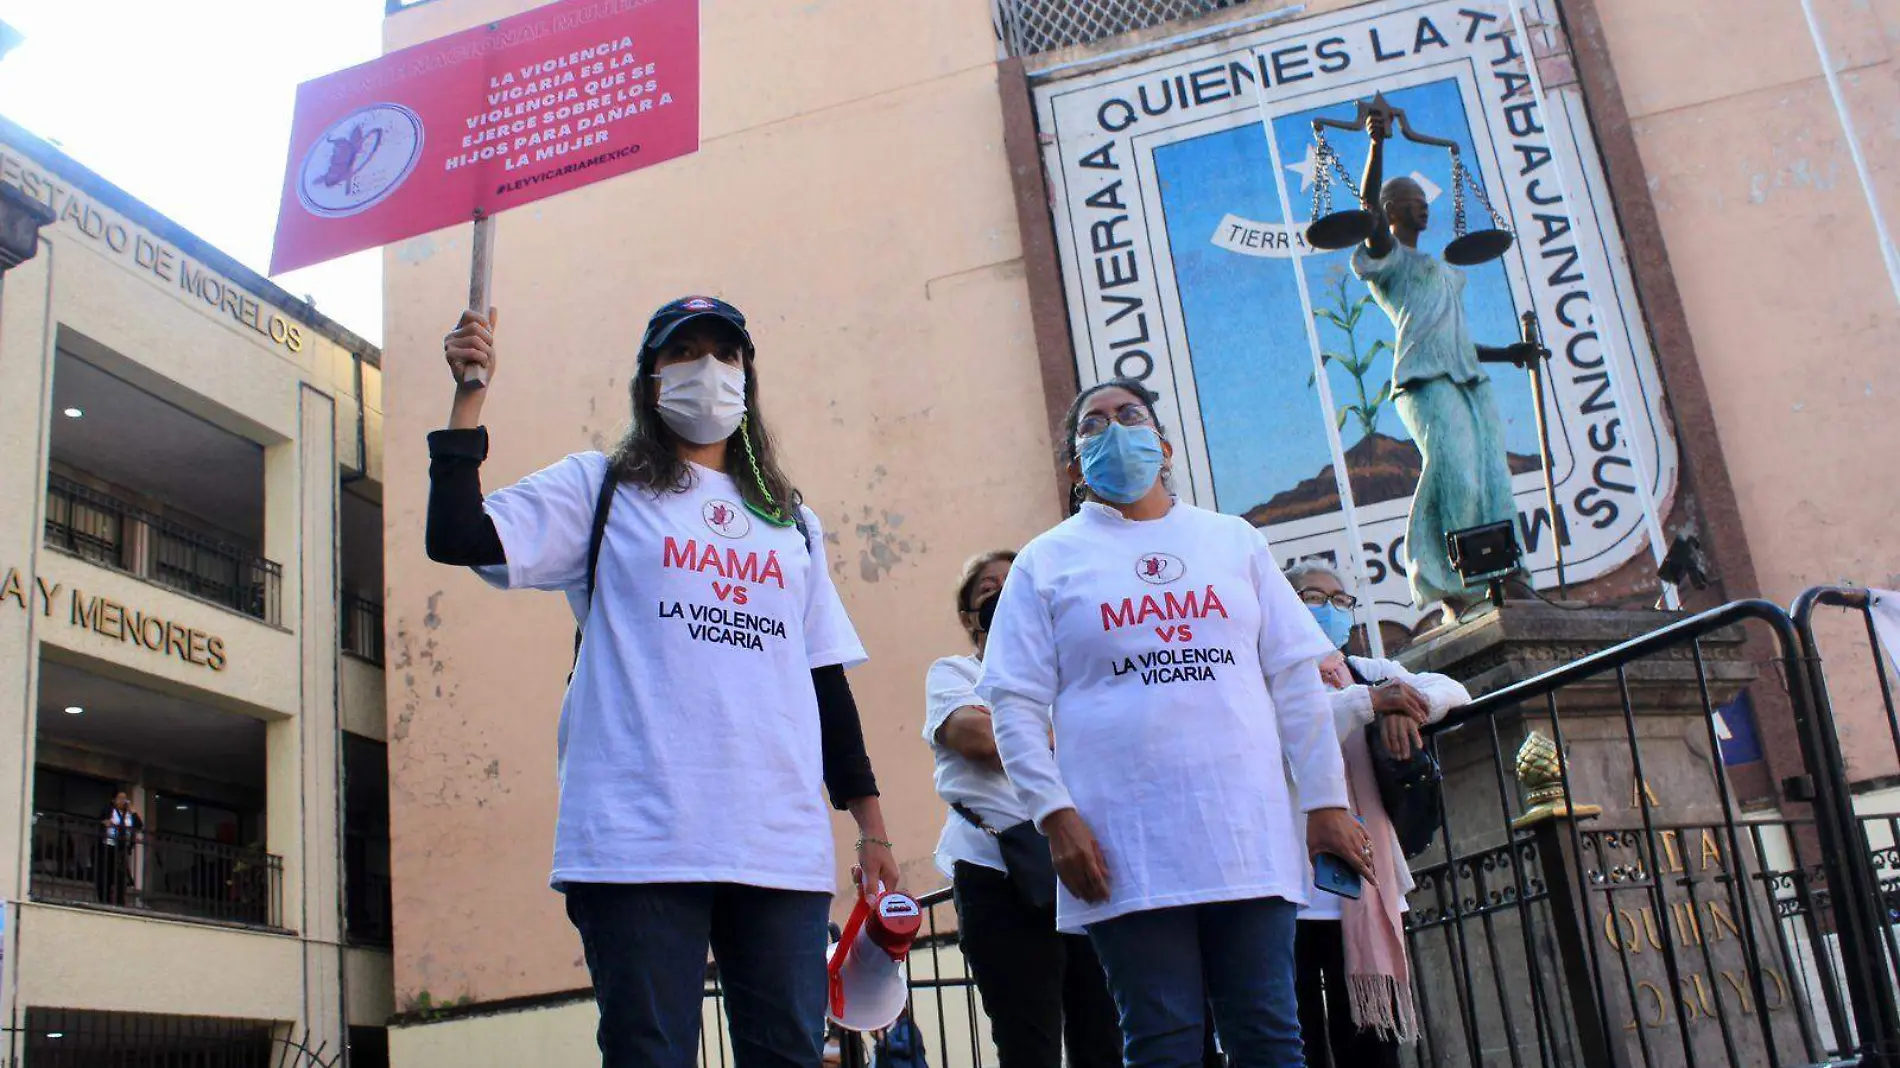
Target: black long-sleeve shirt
{"points": [[460, 533]]}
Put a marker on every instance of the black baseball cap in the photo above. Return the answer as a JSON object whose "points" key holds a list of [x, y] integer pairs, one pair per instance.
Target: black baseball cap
{"points": [[677, 313]]}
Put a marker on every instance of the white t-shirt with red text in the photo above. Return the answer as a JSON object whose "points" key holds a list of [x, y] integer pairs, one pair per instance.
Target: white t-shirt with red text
{"points": [[688, 747], [1154, 641]]}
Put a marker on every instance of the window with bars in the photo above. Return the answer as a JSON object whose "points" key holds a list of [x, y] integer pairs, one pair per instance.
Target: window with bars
{"points": [[1029, 27]]}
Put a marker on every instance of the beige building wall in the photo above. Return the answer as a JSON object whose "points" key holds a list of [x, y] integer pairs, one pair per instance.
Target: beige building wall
{"points": [[361, 694], [851, 196], [106, 288], [74, 958], [1794, 313]]}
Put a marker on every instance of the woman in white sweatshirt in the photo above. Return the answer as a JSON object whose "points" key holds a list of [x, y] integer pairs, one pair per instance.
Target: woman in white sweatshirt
{"points": [[1178, 670]]}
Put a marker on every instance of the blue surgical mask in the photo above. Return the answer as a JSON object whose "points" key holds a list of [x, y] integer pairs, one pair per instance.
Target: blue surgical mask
{"points": [[1122, 462], [1335, 621]]}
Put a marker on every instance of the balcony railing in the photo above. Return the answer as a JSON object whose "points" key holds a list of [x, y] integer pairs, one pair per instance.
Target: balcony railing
{"points": [[362, 627], [170, 873], [120, 535]]}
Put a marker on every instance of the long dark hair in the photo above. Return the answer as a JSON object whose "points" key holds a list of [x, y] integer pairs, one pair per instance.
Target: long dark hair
{"points": [[648, 454], [1065, 448]]}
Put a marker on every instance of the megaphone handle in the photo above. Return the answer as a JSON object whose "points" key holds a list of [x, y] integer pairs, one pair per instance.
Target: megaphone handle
{"points": [[852, 925], [834, 968]]}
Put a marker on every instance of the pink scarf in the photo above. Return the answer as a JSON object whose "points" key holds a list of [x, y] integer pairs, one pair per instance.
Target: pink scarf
{"points": [[1378, 978]]}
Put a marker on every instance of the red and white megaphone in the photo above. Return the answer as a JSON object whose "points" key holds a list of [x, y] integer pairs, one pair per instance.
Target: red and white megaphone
{"points": [[868, 986]]}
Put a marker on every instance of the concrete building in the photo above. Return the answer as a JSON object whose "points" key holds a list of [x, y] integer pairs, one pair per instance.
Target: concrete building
{"points": [[942, 217], [190, 578]]}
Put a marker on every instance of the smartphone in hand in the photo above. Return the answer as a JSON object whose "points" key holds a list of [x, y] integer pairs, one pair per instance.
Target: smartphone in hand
{"points": [[1335, 876]]}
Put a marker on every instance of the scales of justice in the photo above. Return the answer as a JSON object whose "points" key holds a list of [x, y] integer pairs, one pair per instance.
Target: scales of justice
{"points": [[1461, 536], [1332, 230]]}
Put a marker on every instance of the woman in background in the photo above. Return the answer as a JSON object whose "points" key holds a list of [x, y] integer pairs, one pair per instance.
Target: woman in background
{"points": [[1355, 986], [1037, 984]]}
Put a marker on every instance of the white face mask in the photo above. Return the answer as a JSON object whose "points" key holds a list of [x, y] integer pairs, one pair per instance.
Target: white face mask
{"points": [[702, 401]]}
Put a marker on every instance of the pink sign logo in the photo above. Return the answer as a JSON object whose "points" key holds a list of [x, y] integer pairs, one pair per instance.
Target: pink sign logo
{"points": [[360, 159]]}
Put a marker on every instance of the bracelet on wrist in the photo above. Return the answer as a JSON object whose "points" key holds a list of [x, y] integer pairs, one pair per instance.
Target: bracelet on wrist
{"points": [[865, 839]]}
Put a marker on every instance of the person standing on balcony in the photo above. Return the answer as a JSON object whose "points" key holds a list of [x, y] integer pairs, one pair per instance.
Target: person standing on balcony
{"points": [[1179, 671], [708, 704], [1356, 995], [120, 832], [1038, 985]]}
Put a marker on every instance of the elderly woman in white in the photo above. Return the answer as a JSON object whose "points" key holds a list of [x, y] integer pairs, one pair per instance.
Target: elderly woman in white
{"points": [[1354, 984]]}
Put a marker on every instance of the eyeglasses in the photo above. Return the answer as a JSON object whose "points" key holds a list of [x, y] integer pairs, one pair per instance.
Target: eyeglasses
{"points": [[1313, 598], [1130, 414]]}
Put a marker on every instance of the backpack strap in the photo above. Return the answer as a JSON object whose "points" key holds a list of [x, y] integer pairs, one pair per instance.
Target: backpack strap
{"points": [[603, 501], [798, 518]]}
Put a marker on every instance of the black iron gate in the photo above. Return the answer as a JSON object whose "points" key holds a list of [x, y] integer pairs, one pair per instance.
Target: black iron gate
{"points": [[1616, 905]]}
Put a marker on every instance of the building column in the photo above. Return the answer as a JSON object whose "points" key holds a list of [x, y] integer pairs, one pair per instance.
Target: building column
{"points": [[326, 1009], [26, 386], [303, 814]]}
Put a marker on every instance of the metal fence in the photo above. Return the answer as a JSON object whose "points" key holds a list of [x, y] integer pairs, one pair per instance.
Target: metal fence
{"points": [[1867, 952], [1029, 27], [1600, 927], [118, 534], [79, 1038], [171, 873], [360, 622]]}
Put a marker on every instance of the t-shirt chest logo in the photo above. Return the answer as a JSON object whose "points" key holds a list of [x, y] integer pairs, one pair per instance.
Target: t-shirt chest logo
{"points": [[726, 519], [1159, 569]]}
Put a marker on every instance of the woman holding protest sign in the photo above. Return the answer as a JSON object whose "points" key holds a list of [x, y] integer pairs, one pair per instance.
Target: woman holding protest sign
{"points": [[1177, 667], [708, 701]]}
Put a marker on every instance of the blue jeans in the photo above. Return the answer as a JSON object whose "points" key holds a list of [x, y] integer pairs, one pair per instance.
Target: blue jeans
{"points": [[646, 950], [1166, 966]]}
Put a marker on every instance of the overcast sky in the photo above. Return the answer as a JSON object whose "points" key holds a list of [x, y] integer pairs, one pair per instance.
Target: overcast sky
{"points": [[186, 104]]}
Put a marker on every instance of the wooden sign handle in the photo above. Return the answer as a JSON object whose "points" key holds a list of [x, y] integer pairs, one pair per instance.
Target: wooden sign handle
{"points": [[480, 272]]}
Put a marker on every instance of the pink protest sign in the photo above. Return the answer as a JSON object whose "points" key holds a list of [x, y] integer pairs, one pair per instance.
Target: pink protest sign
{"points": [[486, 120]]}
